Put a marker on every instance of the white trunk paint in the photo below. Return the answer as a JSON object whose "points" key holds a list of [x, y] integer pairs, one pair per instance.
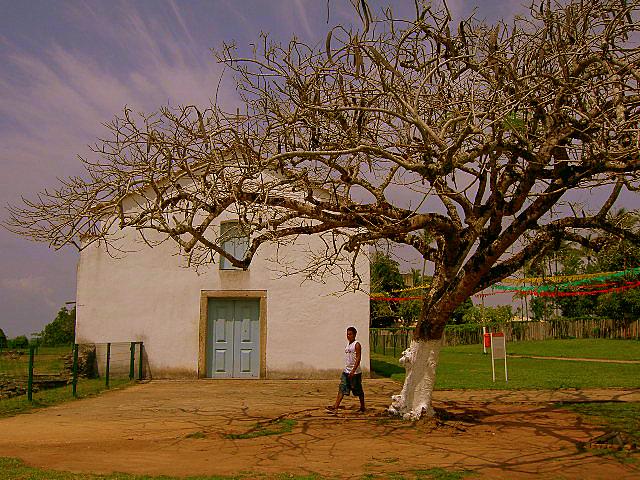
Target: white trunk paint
{"points": [[420, 361]]}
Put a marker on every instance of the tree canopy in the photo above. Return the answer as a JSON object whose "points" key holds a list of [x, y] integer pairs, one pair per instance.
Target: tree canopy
{"points": [[61, 331], [460, 139]]}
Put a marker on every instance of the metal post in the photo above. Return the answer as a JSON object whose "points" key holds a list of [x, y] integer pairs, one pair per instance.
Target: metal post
{"points": [[32, 350], [395, 340], [484, 332], [106, 371], [140, 362], [132, 356], [74, 381]]}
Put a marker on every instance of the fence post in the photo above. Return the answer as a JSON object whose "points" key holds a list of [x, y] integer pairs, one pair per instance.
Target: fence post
{"points": [[140, 362], [74, 381], [32, 350], [132, 356], [106, 371], [395, 340]]}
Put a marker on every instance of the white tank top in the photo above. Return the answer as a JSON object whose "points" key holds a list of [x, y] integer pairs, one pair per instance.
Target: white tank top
{"points": [[350, 358]]}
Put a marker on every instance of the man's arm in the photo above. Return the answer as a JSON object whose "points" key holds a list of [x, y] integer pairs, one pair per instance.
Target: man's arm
{"points": [[357, 362]]}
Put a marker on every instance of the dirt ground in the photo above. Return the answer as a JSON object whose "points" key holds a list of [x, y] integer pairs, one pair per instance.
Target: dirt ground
{"points": [[181, 428]]}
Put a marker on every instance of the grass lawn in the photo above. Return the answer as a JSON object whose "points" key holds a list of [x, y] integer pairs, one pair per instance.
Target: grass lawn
{"points": [[53, 396], [465, 367], [47, 360], [578, 348], [14, 469]]}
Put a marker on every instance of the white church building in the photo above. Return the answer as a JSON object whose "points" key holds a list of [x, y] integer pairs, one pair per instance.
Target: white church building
{"points": [[218, 322]]}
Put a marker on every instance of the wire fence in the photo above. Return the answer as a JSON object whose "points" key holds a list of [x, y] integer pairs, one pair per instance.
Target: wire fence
{"points": [[37, 369], [395, 340]]}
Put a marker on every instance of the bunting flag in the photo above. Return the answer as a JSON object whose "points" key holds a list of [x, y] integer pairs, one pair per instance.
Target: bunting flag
{"points": [[488, 294], [603, 276], [409, 289], [621, 288], [394, 299], [594, 290], [554, 286], [577, 293]]}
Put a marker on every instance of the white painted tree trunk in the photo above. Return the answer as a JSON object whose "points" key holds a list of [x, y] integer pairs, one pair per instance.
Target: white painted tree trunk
{"points": [[420, 361]]}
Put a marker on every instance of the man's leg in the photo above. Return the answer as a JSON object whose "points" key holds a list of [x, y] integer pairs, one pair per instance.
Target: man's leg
{"points": [[361, 397], [340, 396]]}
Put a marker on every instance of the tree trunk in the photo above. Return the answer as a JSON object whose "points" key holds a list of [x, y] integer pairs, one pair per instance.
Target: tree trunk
{"points": [[420, 361]]}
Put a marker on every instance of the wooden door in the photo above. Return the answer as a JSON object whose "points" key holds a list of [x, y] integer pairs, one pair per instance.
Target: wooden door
{"points": [[233, 338]]}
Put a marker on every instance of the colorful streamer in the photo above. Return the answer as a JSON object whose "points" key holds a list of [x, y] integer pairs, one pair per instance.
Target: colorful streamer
{"points": [[394, 299], [579, 293], [409, 289], [603, 276], [570, 286]]}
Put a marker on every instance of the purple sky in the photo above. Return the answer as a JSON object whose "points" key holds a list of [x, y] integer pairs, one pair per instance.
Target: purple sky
{"points": [[69, 66]]}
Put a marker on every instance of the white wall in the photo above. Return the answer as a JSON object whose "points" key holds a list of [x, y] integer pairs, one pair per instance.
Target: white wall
{"points": [[148, 295]]}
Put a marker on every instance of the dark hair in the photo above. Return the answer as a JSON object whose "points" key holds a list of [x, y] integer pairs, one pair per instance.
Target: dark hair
{"points": [[352, 329]]}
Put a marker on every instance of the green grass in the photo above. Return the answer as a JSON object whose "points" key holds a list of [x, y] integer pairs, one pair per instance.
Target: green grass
{"points": [[429, 474], [578, 348], [571, 348], [54, 396], [465, 367], [442, 474], [47, 360], [15, 469], [263, 430]]}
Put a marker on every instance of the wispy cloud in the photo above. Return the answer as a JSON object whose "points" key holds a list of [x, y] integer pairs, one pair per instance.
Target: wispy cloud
{"points": [[302, 16], [30, 287], [54, 101]]}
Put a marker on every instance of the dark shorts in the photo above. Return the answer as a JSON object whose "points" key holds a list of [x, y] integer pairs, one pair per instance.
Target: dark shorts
{"points": [[354, 385]]}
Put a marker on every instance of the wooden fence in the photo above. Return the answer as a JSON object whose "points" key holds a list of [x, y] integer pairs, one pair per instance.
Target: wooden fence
{"points": [[395, 340]]}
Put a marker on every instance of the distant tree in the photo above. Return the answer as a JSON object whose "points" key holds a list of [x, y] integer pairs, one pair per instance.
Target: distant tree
{"points": [[459, 315], [611, 255], [385, 278], [20, 341], [61, 331], [385, 273], [3, 339], [480, 314]]}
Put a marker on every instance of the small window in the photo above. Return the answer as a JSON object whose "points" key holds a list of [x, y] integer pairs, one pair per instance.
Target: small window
{"points": [[233, 240]]}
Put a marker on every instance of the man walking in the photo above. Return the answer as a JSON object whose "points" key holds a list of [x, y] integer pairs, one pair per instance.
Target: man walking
{"points": [[351, 378]]}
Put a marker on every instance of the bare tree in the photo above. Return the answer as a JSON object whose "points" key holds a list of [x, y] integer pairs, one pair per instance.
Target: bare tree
{"points": [[464, 134]]}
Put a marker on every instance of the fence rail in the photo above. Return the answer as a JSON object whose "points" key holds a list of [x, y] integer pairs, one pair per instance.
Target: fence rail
{"points": [[33, 370], [395, 340]]}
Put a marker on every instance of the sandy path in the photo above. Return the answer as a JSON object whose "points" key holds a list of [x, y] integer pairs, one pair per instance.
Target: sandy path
{"points": [[147, 429]]}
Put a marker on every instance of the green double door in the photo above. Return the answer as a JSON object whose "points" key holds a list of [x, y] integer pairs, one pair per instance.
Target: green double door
{"points": [[233, 338]]}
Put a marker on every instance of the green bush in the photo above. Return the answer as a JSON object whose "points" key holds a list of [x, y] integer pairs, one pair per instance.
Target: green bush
{"points": [[61, 331], [19, 342]]}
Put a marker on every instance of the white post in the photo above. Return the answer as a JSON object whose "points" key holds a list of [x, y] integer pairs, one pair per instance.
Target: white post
{"points": [[506, 377], [493, 366], [484, 347], [498, 351]]}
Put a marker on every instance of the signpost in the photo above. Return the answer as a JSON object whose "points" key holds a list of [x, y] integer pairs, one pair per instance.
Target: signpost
{"points": [[498, 351]]}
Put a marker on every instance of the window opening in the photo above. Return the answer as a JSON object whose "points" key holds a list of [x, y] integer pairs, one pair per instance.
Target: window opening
{"points": [[235, 241]]}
